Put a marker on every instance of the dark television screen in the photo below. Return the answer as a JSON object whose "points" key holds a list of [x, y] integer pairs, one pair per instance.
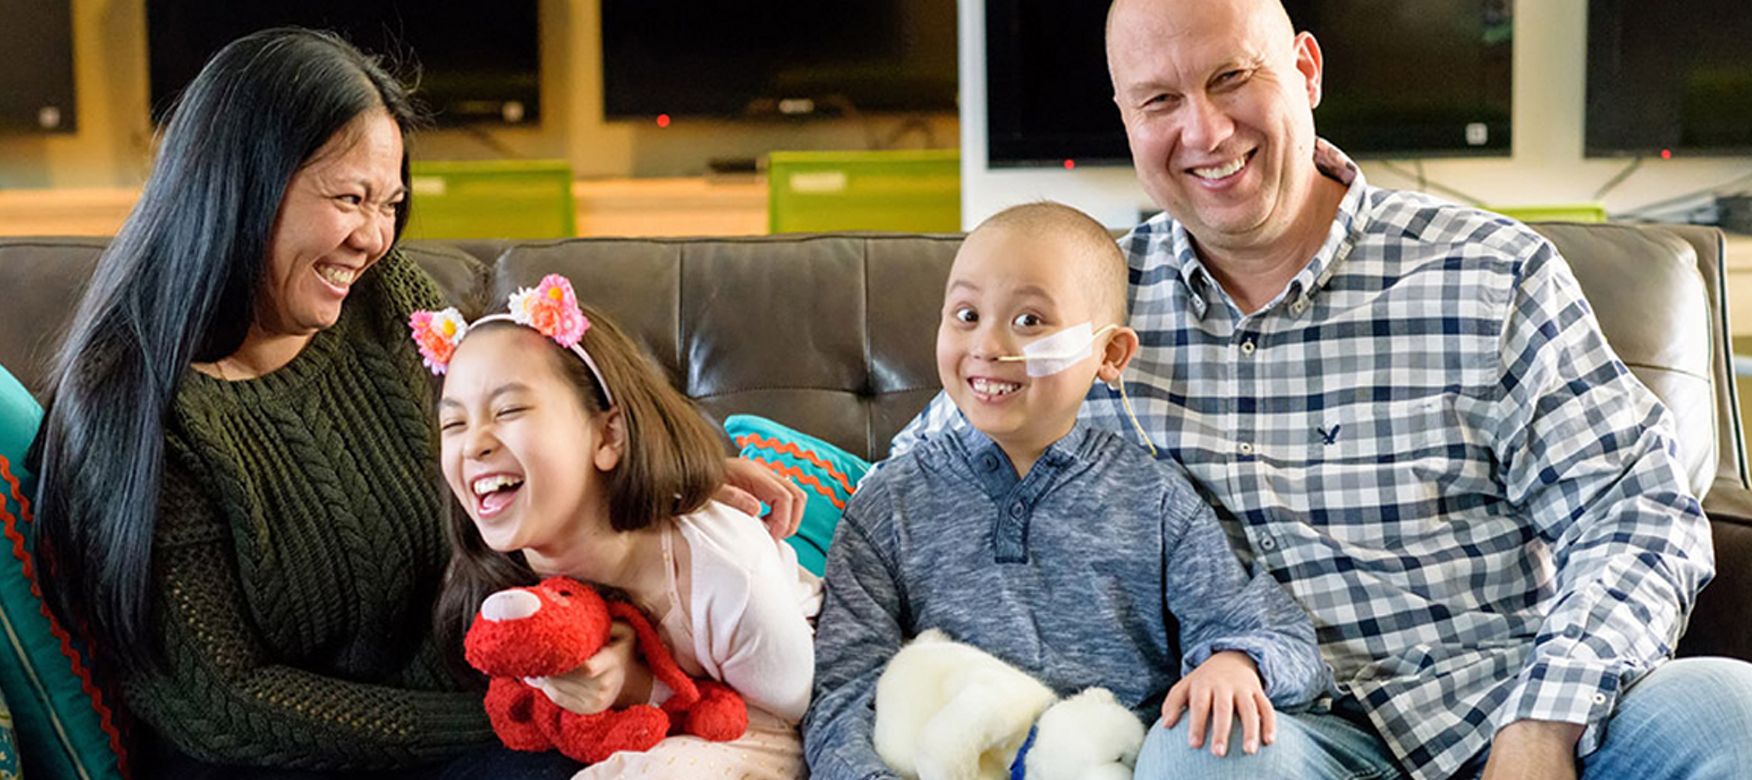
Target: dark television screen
{"points": [[36, 83], [478, 62], [716, 58], [1673, 75], [1429, 78]]}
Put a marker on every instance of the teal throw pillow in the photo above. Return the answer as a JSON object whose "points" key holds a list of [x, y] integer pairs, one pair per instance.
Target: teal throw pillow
{"points": [[827, 474], [64, 724], [9, 764]]}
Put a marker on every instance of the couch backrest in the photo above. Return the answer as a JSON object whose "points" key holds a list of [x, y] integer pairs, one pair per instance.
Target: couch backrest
{"points": [[834, 334], [830, 334]]}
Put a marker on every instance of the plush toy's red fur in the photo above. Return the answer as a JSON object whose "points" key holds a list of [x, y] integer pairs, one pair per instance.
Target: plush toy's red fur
{"points": [[568, 624]]}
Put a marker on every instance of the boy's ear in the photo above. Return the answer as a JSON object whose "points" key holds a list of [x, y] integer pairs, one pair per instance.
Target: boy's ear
{"points": [[612, 440], [1121, 347]]}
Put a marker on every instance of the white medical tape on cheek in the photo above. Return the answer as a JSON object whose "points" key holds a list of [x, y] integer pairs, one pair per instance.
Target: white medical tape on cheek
{"points": [[1058, 351]]}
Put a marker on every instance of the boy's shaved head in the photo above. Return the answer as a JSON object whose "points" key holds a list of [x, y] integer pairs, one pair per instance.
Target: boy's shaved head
{"points": [[1102, 265]]}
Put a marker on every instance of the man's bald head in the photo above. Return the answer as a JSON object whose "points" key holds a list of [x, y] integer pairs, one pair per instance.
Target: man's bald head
{"points": [[1268, 15]]}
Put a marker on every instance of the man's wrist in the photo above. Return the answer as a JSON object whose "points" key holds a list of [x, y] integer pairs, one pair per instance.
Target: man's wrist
{"points": [[1545, 731], [1534, 748]]}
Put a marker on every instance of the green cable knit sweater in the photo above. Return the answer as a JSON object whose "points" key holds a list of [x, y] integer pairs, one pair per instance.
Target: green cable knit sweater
{"points": [[299, 552]]}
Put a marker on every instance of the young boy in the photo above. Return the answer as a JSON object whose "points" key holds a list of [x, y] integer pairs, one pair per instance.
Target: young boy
{"points": [[1066, 551]]}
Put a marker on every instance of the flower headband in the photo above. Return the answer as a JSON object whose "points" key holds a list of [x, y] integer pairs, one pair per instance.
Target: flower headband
{"points": [[550, 309]]}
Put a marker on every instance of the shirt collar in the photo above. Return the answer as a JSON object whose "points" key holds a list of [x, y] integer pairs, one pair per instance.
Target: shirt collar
{"points": [[992, 469], [1333, 164]]}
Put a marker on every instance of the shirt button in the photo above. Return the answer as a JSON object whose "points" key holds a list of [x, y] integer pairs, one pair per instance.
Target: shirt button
{"points": [[1247, 347], [1016, 510], [1299, 306], [1246, 448], [1599, 698], [1268, 543], [989, 462]]}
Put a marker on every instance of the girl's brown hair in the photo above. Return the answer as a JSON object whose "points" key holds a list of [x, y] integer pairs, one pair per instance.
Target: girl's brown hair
{"points": [[671, 464]]}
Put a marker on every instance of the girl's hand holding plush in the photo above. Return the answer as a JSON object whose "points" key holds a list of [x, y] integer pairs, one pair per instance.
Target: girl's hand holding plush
{"points": [[611, 678], [1224, 687], [544, 628]]}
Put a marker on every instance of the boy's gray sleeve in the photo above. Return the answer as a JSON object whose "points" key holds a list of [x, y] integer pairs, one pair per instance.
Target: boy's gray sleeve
{"points": [[1219, 607], [859, 630]]}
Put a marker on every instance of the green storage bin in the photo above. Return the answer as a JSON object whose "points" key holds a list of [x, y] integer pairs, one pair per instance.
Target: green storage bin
{"points": [[492, 199], [902, 191], [1567, 212]]}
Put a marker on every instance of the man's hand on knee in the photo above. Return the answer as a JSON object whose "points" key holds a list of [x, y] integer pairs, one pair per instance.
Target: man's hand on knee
{"points": [[1534, 750]]}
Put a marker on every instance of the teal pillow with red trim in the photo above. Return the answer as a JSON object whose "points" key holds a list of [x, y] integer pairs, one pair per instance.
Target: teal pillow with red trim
{"points": [[63, 721], [827, 474], [10, 768]]}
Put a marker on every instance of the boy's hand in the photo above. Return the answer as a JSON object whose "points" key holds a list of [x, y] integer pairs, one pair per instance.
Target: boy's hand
{"points": [[611, 678], [1225, 685]]}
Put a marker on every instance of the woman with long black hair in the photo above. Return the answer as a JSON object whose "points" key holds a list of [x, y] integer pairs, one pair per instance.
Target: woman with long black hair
{"points": [[236, 464]]}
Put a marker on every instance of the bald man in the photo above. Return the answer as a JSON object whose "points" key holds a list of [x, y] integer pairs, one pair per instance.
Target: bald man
{"points": [[1404, 411]]}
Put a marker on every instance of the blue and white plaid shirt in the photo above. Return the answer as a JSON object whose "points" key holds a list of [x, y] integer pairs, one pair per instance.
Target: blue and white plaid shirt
{"points": [[1426, 439]]}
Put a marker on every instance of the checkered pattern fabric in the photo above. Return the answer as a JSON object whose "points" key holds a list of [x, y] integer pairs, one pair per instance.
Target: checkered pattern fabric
{"points": [[1427, 440]]}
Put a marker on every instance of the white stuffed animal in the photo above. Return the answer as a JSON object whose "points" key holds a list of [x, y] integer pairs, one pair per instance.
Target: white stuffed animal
{"points": [[950, 711]]}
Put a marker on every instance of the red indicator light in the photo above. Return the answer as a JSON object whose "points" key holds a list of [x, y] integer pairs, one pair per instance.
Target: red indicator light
{"points": [[1070, 164], [662, 120], [1666, 154]]}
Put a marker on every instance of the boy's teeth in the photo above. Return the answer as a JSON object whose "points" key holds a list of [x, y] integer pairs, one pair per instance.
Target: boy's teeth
{"points": [[491, 484], [1220, 171], [340, 276], [993, 387]]}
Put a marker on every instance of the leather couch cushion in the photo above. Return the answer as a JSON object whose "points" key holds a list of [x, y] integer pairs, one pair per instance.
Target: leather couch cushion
{"points": [[460, 275], [1731, 465], [41, 281], [827, 334]]}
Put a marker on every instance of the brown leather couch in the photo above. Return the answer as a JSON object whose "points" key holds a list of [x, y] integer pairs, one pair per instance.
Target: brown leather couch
{"points": [[834, 335]]}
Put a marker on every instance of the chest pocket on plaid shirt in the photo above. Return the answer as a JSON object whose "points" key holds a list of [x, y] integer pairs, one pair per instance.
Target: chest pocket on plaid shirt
{"points": [[1398, 450]]}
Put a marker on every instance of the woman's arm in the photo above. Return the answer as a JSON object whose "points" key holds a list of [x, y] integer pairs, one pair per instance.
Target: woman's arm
{"points": [[748, 484], [219, 696]]}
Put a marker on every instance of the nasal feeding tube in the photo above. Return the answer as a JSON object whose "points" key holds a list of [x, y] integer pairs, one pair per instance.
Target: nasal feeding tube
{"points": [[1059, 351]]}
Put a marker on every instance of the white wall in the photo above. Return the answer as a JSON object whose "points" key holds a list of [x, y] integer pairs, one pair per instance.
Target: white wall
{"points": [[1546, 166]]}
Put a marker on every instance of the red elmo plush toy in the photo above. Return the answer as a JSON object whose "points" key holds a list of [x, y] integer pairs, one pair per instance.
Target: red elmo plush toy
{"points": [[553, 628]]}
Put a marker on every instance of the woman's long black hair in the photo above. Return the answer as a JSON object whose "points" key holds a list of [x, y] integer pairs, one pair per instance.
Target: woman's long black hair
{"points": [[178, 285]]}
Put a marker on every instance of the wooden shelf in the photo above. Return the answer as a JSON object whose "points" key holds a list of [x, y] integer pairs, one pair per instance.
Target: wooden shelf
{"points": [[671, 207], [605, 207], [82, 212]]}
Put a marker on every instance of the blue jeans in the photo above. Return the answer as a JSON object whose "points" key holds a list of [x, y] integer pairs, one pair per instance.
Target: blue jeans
{"points": [[1690, 718]]}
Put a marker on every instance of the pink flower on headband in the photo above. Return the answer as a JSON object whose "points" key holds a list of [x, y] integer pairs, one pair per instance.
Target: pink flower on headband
{"points": [[437, 334], [552, 309]]}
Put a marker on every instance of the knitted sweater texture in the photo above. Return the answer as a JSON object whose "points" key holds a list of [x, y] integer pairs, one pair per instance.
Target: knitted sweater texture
{"points": [[298, 554]]}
